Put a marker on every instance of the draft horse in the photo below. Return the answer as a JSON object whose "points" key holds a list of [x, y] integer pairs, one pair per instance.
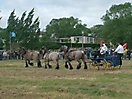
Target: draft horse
{"points": [[30, 55], [51, 56], [73, 55]]}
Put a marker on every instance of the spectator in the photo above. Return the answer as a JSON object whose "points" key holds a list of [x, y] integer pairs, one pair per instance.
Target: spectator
{"points": [[1, 56], [5, 54], [119, 50], [128, 54]]}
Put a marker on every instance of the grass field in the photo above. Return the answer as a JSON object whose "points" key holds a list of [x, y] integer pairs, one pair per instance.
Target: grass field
{"points": [[18, 82]]}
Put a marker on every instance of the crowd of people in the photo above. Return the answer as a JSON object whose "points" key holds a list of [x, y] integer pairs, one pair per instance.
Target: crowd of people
{"points": [[7, 54]]}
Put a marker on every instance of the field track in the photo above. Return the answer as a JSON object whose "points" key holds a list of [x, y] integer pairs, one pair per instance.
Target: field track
{"points": [[18, 82]]}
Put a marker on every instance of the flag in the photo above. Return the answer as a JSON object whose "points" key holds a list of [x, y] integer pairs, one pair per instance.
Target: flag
{"points": [[12, 34], [125, 45]]}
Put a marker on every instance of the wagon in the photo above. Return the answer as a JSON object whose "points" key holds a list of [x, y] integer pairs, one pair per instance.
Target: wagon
{"points": [[109, 61], [98, 62], [112, 61]]}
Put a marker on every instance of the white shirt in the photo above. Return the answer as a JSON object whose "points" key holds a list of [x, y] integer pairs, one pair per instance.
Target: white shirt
{"points": [[4, 53], [105, 47], [102, 50], [120, 49]]}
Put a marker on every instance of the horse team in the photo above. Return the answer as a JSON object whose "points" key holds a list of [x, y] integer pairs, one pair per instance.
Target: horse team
{"points": [[49, 55]]}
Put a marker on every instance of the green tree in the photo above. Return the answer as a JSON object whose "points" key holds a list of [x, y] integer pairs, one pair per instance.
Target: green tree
{"points": [[27, 31], [117, 23], [96, 31], [64, 27]]}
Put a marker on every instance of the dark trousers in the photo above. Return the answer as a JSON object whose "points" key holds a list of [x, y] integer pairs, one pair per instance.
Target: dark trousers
{"points": [[119, 58]]}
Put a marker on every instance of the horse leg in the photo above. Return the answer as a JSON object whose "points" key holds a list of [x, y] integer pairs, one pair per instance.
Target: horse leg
{"points": [[79, 65], [49, 65], [45, 64], [70, 65], [26, 63], [85, 64], [57, 65], [30, 63], [66, 65], [39, 63]]}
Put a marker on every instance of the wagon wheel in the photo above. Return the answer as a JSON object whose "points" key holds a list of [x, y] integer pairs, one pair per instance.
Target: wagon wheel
{"points": [[93, 64], [104, 64], [90, 64], [110, 65], [96, 64]]}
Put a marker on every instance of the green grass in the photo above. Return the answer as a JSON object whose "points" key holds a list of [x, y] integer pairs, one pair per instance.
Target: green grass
{"points": [[18, 82]]}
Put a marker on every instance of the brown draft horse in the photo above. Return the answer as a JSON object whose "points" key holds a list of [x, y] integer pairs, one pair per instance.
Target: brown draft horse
{"points": [[73, 55], [51, 56], [30, 55]]}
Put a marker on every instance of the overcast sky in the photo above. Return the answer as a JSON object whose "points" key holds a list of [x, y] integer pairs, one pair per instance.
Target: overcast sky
{"points": [[89, 11]]}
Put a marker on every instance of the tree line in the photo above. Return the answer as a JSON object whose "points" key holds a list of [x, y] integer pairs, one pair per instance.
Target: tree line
{"points": [[116, 27]]}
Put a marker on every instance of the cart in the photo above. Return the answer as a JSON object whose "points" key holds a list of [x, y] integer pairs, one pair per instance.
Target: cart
{"points": [[109, 61], [98, 62], [112, 61]]}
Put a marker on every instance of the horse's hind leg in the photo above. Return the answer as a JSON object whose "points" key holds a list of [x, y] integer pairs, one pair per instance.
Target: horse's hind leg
{"points": [[85, 64], [79, 65], [57, 65]]}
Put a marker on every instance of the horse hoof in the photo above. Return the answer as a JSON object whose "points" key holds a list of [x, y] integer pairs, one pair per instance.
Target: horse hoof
{"points": [[26, 66], [66, 66], [50, 66], [31, 64], [57, 68], [78, 67], [85, 68], [45, 67], [71, 68]]}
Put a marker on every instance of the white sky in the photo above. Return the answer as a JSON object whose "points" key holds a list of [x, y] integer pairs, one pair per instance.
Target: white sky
{"points": [[89, 11]]}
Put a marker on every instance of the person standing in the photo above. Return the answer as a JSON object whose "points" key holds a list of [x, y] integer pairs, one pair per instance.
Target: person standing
{"points": [[129, 54], [119, 50]]}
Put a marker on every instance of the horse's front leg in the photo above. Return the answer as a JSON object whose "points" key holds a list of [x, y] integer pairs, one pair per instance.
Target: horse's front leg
{"points": [[39, 63], [79, 64], [66, 65], [49, 64], [30, 63], [26, 63], [70, 65], [45, 65]]}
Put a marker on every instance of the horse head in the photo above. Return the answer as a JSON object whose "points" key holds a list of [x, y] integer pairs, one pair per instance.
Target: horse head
{"points": [[64, 48], [22, 51]]}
